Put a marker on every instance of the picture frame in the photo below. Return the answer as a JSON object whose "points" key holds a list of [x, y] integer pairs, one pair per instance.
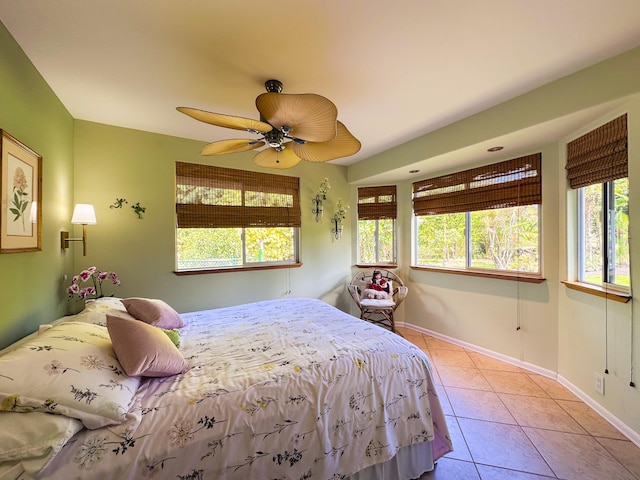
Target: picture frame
{"points": [[20, 197]]}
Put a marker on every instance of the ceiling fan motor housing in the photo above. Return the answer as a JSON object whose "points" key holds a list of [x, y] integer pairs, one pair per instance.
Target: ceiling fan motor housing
{"points": [[274, 138]]}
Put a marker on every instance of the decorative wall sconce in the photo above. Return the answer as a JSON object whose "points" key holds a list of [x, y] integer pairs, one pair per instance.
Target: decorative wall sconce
{"points": [[337, 227], [83, 214], [321, 195], [317, 209], [337, 219]]}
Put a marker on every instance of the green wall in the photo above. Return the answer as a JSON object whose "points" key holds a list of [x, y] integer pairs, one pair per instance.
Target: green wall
{"points": [[112, 162], [31, 284]]}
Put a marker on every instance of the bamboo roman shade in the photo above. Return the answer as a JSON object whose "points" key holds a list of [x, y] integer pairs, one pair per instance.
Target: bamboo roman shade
{"points": [[599, 156], [510, 183], [216, 197], [377, 203]]}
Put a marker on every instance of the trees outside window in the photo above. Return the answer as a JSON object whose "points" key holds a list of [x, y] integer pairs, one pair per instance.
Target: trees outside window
{"points": [[376, 241], [499, 239], [603, 233], [486, 218], [377, 210]]}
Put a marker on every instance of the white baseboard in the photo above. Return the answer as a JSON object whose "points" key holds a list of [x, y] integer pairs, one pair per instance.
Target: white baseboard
{"points": [[604, 413]]}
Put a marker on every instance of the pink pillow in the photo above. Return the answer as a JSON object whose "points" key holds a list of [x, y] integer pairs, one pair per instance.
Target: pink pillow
{"points": [[144, 350], [154, 312]]}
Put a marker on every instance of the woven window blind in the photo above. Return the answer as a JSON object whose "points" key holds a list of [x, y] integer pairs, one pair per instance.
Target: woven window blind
{"points": [[506, 184], [599, 156], [377, 203], [216, 197]]}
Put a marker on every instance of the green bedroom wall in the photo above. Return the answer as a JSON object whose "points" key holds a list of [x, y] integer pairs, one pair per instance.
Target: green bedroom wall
{"points": [[31, 283], [113, 162]]}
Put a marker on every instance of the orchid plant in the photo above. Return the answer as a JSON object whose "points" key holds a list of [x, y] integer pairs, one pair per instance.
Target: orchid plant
{"points": [[94, 277]]}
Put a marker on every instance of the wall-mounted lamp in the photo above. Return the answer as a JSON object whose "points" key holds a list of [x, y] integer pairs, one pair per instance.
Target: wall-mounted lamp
{"points": [[83, 214]]}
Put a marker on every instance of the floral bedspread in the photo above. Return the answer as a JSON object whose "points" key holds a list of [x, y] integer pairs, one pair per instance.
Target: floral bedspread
{"points": [[283, 389]]}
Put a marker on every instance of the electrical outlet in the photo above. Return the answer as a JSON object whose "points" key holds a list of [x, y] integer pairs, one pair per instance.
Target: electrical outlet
{"points": [[598, 383]]}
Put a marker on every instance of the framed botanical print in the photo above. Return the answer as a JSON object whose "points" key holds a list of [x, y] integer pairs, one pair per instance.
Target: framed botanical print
{"points": [[21, 197]]}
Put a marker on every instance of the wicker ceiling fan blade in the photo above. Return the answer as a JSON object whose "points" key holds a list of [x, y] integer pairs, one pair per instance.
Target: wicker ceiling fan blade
{"points": [[271, 158], [311, 117], [343, 145], [227, 121], [231, 146]]}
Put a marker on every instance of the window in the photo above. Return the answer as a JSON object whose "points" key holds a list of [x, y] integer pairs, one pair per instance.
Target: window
{"points": [[486, 218], [597, 169], [377, 209], [235, 218]]}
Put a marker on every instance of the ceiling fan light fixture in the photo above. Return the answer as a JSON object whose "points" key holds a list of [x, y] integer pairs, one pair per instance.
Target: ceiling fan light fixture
{"points": [[271, 158]]}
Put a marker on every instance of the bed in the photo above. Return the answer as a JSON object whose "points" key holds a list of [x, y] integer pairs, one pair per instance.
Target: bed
{"points": [[283, 389]]}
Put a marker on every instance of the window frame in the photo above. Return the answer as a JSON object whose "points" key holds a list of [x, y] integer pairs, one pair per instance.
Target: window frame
{"points": [[377, 203], [525, 276], [507, 184], [198, 214], [394, 260], [607, 190]]}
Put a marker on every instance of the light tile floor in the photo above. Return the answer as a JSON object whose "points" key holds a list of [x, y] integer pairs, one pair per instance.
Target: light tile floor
{"points": [[509, 423]]}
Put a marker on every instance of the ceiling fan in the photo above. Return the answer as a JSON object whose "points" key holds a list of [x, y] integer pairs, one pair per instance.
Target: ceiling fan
{"points": [[294, 127]]}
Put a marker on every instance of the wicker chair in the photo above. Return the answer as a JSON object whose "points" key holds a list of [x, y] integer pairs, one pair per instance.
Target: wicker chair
{"points": [[378, 311]]}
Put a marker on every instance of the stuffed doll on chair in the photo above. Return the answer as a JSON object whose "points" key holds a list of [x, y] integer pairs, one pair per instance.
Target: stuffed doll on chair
{"points": [[378, 288]]}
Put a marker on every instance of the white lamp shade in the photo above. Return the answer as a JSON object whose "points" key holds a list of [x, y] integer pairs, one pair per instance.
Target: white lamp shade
{"points": [[84, 214]]}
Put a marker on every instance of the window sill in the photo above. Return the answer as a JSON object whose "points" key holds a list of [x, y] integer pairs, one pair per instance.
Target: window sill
{"points": [[244, 268], [598, 291], [515, 276], [388, 266]]}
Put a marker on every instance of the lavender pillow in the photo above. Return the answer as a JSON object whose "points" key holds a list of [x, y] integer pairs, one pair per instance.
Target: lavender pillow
{"points": [[153, 311], [144, 350]]}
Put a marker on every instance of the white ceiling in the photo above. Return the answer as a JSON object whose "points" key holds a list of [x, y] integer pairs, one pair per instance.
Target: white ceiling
{"points": [[395, 71]]}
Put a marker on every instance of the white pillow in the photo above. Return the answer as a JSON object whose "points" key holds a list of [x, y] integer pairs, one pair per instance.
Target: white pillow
{"points": [[69, 369], [104, 303], [29, 441], [96, 311]]}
